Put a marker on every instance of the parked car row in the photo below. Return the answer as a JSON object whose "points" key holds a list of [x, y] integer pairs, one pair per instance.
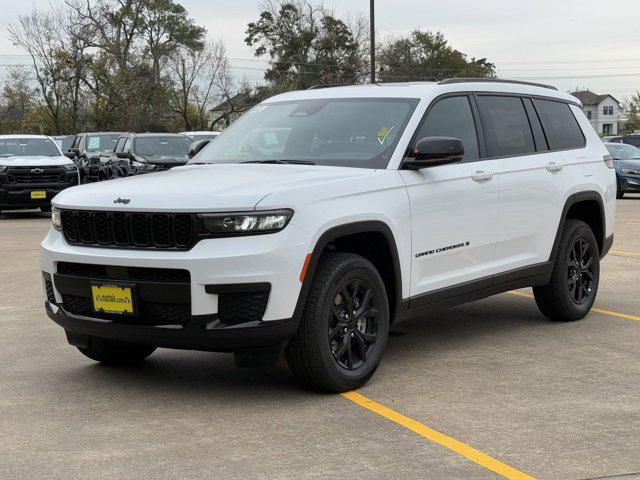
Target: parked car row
{"points": [[34, 168]]}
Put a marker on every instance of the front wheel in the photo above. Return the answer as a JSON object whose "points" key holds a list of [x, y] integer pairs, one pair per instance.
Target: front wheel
{"points": [[112, 352], [573, 287], [619, 191], [344, 329]]}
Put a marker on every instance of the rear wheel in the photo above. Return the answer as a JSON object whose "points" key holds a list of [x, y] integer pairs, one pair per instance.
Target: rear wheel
{"points": [[576, 272], [112, 352], [344, 330]]}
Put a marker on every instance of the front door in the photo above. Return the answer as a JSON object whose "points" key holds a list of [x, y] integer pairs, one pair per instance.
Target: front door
{"points": [[454, 208]]}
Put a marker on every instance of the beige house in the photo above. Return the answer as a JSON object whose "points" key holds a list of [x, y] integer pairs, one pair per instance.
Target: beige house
{"points": [[603, 111]]}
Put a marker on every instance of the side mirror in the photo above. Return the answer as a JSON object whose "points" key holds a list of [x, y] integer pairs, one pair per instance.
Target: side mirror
{"points": [[123, 154], [73, 151], [69, 154], [432, 151], [195, 147]]}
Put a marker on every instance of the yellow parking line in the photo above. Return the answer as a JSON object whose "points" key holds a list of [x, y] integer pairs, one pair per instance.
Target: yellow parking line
{"points": [[456, 446], [598, 310], [623, 253]]}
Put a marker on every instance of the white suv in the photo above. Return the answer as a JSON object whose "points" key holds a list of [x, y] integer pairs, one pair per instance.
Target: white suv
{"points": [[322, 216]]}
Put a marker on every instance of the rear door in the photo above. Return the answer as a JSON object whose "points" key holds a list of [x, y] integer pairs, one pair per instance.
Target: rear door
{"points": [[454, 208], [532, 174]]}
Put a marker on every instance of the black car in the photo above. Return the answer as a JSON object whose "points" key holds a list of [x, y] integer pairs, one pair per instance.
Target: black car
{"points": [[626, 159], [152, 152], [92, 153]]}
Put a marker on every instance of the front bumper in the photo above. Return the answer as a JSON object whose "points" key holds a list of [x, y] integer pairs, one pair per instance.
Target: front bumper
{"points": [[216, 267], [17, 196], [198, 335], [629, 183]]}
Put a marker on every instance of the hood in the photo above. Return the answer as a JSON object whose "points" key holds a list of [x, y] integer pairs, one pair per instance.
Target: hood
{"points": [[198, 188], [35, 161], [164, 159], [628, 164]]}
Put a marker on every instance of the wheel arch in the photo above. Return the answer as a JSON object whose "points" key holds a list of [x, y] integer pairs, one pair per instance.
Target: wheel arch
{"points": [[370, 235], [587, 206]]}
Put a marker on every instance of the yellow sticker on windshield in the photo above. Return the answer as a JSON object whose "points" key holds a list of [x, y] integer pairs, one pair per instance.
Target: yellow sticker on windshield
{"points": [[383, 133]]}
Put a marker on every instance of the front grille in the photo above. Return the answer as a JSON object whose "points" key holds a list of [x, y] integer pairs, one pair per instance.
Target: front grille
{"points": [[132, 274], [36, 175], [149, 313], [234, 308], [130, 229]]}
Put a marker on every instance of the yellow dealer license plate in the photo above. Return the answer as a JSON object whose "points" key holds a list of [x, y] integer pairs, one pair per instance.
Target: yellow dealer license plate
{"points": [[116, 299], [38, 195]]}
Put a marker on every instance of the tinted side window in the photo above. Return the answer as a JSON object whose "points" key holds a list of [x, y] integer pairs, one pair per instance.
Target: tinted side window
{"points": [[119, 144], [452, 117], [560, 125], [506, 126], [632, 141], [536, 126]]}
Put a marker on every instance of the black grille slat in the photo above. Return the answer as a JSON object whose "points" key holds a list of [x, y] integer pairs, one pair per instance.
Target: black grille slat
{"points": [[101, 228], [130, 229], [140, 229], [83, 225], [160, 230], [48, 286]]}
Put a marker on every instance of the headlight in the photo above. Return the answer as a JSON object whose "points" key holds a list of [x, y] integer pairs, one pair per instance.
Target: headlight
{"points": [[629, 171], [55, 217], [70, 167], [3, 168], [142, 166], [246, 223]]}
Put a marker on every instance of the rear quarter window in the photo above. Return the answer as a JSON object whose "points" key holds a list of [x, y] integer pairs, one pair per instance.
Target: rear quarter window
{"points": [[560, 125]]}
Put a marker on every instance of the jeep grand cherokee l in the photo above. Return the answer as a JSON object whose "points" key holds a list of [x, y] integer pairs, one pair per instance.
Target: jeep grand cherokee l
{"points": [[32, 171], [322, 216]]}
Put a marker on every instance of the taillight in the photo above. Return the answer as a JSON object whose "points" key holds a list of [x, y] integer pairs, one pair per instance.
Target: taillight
{"points": [[608, 161]]}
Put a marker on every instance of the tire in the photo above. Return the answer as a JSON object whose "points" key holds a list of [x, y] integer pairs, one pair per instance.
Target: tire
{"points": [[112, 352], [572, 290], [349, 358], [619, 192]]}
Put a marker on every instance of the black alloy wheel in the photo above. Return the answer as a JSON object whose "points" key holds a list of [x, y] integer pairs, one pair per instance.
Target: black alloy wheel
{"points": [[353, 328], [580, 273]]}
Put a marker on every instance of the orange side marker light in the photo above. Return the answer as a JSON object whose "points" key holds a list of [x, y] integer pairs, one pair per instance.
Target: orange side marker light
{"points": [[303, 272]]}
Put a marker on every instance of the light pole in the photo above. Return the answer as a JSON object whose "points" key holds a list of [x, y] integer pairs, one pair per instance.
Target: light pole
{"points": [[372, 25]]}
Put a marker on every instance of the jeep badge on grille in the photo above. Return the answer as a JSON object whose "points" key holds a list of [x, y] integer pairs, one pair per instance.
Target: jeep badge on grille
{"points": [[124, 201]]}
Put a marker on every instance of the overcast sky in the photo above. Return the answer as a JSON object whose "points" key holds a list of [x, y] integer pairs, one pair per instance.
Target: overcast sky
{"points": [[554, 39]]}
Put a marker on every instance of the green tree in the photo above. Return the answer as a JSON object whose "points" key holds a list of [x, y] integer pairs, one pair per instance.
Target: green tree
{"points": [[425, 55], [306, 45], [631, 111]]}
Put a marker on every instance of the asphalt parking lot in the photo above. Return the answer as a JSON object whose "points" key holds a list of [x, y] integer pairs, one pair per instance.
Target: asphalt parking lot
{"points": [[485, 390]]}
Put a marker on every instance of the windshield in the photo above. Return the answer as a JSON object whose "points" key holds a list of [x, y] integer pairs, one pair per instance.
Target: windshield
{"points": [[28, 147], [620, 151], [64, 143], [360, 132], [102, 142], [177, 146]]}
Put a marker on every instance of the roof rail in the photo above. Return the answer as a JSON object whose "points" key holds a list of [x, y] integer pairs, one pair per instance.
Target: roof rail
{"points": [[450, 81], [328, 85]]}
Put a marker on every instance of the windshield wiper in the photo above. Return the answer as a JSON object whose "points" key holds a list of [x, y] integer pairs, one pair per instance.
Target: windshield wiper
{"points": [[292, 162]]}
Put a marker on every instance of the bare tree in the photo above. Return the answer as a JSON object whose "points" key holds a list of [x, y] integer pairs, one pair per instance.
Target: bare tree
{"points": [[38, 34]]}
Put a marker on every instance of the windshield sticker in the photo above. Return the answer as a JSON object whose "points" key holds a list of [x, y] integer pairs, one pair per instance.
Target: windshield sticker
{"points": [[383, 134], [94, 143]]}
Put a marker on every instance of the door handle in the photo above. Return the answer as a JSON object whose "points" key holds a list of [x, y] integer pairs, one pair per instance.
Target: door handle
{"points": [[482, 176], [554, 167]]}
